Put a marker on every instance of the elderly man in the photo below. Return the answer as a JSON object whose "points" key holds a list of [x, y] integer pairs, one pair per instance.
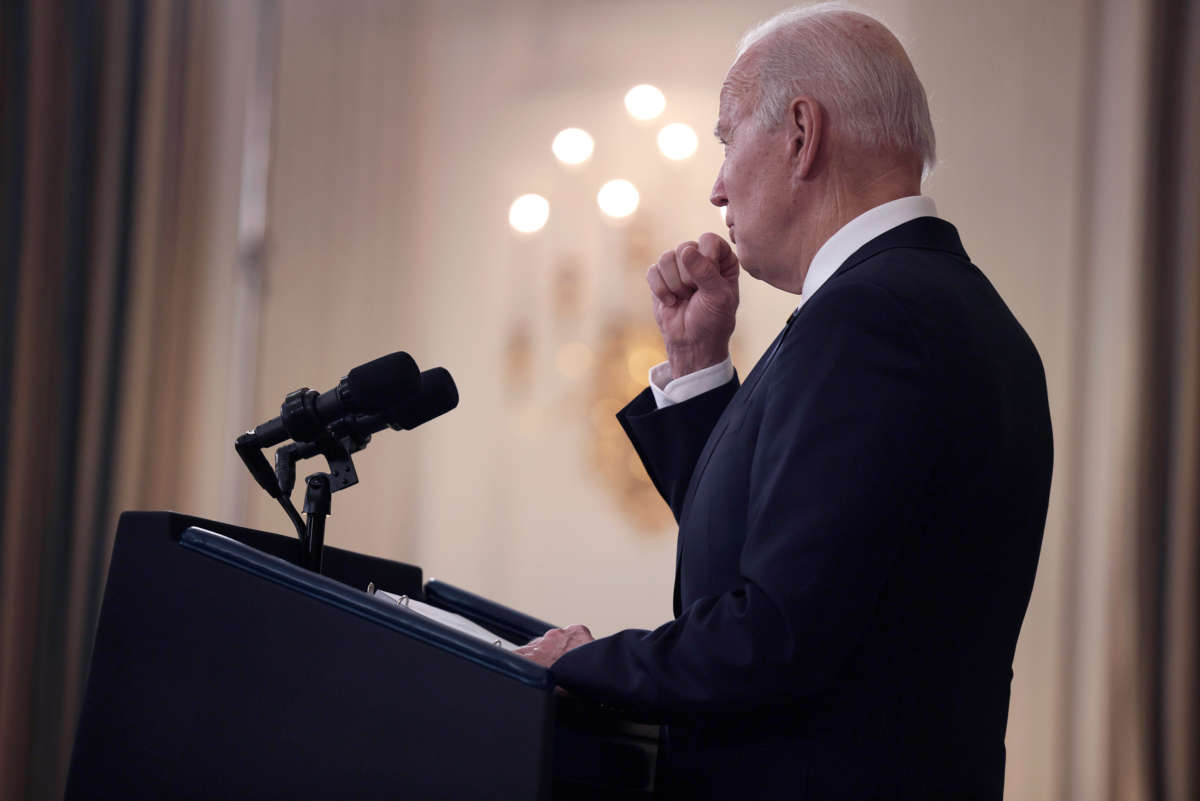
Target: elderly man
{"points": [[860, 520]]}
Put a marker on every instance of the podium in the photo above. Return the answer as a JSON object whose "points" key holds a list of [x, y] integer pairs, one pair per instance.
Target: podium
{"points": [[222, 669]]}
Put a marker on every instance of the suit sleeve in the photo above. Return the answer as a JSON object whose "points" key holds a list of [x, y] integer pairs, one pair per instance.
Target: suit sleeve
{"points": [[669, 440], [844, 449]]}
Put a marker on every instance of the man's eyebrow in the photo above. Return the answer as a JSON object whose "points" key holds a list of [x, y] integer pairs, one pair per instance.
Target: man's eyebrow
{"points": [[721, 129]]}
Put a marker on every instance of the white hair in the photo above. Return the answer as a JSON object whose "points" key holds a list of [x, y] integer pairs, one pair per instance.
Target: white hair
{"points": [[850, 63]]}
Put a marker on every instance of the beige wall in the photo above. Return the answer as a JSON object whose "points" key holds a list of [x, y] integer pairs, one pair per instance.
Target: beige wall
{"points": [[401, 134]]}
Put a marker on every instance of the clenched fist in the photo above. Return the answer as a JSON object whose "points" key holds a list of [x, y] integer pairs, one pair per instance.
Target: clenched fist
{"points": [[695, 288]]}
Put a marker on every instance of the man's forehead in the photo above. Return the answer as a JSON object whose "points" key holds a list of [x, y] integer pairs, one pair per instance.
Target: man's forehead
{"points": [[733, 91], [725, 106], [728, 93]]}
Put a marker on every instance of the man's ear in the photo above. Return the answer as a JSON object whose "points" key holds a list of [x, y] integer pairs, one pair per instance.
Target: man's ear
{"points": [[806, 121]]}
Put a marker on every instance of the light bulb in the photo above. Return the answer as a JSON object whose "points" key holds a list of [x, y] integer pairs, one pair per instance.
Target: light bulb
{"points": [[645, 102], [677, 141], [573, 146], [618, 198], [528, 213]]}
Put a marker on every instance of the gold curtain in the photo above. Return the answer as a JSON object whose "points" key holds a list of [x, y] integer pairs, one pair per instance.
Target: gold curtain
{"points": [[93, 348], [1170, 490]]}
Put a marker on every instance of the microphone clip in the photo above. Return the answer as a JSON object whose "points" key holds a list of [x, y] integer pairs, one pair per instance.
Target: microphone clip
{"points": [[336, 446]]}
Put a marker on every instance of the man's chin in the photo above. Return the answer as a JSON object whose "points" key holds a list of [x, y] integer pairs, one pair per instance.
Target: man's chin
{"points": [[770, 279]]}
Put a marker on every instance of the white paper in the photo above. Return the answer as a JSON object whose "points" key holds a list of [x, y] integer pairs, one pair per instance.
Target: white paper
{"points": [[457, 622]]}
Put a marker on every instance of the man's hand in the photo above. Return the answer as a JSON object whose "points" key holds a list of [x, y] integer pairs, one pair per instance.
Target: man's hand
{"points": [[695, 288], [546, 650]]}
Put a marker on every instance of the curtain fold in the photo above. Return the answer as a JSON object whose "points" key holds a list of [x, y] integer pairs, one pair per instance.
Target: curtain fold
{"points": [[1174, 524], [77, 64]]}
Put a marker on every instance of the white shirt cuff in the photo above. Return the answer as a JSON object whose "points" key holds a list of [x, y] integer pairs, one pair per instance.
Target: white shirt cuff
{"points": [[686, 387]]}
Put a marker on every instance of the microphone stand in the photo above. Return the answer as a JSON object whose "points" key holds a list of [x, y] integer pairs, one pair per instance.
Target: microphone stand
{"points": [[319, 488], [317, 502], [347, 436]]}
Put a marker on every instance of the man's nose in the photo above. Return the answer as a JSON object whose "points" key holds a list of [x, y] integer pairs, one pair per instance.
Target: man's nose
{"points": [[717, 198]]}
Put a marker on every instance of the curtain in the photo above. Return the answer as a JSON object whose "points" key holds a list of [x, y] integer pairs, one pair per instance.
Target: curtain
{"points": [[116, 271], [71, 109], [1130, 695], [1169, 531]]}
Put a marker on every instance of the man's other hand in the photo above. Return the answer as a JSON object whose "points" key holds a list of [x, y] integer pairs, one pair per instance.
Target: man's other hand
{"points": [[546, 650], [695, 289]]}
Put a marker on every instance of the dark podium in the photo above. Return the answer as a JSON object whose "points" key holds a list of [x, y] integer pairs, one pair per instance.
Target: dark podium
{"points": [[223, 670]]}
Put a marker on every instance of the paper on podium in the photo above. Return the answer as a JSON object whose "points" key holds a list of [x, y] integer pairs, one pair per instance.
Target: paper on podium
{"points": [[457, 622]]}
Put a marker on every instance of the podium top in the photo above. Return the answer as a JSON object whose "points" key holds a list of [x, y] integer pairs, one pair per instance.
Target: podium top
{"points": [[376, 610]]}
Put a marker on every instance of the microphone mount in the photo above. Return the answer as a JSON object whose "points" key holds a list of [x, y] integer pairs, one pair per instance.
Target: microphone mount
{"points": [[319, 486], [349, 435]]}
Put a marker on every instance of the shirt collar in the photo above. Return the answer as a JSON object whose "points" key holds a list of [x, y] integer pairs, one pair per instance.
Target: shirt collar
{"points": [[858, 232]]}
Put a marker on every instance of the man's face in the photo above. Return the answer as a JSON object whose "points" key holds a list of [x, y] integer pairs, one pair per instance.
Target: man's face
{"points": [[755, 187]]}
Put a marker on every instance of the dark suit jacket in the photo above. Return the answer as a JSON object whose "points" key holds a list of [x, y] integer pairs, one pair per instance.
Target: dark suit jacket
{"points": [[859, 527]]}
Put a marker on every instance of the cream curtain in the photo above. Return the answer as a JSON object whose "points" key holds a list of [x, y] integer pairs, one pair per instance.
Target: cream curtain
{"points": [[100, 113]]}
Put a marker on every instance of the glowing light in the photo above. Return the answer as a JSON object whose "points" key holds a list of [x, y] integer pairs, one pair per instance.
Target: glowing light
{"points": [[645, 102], [677, 141], [618, 198], [573, 146], [528, 213], [721, 210]]}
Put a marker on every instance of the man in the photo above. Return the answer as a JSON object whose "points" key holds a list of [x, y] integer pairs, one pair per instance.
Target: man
{"points": [[860, 521]]}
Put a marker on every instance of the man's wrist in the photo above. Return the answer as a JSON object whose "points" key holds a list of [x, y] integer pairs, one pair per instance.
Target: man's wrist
{"points": [[684, 361], [668, 391]]}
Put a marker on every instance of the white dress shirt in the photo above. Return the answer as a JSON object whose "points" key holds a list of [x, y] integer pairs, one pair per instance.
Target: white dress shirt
{"points": [[831, 255]]}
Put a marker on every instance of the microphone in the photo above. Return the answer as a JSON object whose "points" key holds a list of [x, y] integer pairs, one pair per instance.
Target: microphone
{"points": [[372, 388], [438, 394]]}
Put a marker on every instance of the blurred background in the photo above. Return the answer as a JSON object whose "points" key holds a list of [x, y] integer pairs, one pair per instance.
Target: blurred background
{"points": [[206, 205]]}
